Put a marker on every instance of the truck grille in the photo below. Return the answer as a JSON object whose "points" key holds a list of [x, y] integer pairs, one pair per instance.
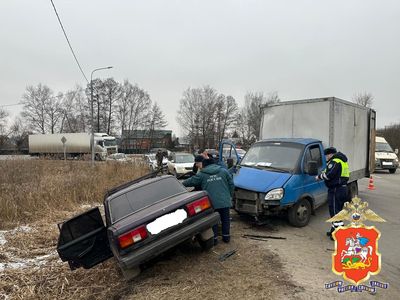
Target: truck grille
{"points": [[246, 201]]}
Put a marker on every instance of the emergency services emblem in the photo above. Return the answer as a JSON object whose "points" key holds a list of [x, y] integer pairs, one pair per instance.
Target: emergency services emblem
{"points": [[356, 255]]}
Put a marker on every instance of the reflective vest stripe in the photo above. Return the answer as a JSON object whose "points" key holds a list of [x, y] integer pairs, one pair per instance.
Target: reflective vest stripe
{"points": [[345, 167]]}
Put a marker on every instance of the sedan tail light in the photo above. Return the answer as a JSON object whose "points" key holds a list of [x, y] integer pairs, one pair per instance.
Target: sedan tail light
{"points": [[198, 206], [133, 236]]}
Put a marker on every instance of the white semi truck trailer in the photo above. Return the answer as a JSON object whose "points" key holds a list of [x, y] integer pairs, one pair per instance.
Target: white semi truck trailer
{"points": [[73, 144]]}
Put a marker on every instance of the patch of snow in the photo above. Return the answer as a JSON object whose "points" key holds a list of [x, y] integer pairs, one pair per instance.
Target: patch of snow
{"points": [[86, 206], [22, 228], [2, 238], [20, 263]]}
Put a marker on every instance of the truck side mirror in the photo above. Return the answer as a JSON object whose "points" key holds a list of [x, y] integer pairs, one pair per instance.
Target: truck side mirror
{"points": [[312, 168], [229, 162]]}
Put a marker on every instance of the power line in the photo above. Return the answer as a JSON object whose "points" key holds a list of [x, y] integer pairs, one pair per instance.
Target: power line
{"points": [[69, 44], [5, 105]]}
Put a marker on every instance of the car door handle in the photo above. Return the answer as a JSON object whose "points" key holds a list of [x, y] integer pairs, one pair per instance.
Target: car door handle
{"points": [[88, 249]]}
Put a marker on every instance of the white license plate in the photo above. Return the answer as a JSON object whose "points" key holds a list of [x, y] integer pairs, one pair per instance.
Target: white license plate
{"points": [[387, 163], [167, 221]]}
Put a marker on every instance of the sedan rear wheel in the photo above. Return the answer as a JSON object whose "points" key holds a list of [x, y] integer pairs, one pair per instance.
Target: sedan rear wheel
{"points": [[131, 273], [207, 244]]}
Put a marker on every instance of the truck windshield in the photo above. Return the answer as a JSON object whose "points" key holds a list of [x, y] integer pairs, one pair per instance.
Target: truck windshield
{"points": [[383, 147], [109, 143], [273, 155]]}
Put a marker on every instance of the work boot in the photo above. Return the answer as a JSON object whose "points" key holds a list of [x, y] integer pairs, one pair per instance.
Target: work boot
{"points": [[226, 239]]}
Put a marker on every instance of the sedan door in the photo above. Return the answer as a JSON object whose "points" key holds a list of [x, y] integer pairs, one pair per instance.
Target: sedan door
{"points": [[83, 240]]}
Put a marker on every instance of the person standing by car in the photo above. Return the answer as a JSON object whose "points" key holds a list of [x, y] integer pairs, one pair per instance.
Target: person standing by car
{"points": [[159, 157], [205, 155], [219, 185], [335, 177]]}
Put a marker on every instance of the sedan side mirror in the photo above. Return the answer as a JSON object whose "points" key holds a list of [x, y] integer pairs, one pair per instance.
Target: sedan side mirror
{"points": [[396, 151], [312, 168]]}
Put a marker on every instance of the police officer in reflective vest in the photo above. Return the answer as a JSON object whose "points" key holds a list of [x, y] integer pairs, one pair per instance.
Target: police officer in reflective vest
{"points": [[335, 177]]}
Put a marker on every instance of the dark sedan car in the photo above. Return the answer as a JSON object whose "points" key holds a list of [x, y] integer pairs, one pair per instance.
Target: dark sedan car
{"points": [[144, 218]]}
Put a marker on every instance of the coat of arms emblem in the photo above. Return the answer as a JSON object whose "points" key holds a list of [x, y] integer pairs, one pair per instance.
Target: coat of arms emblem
{"points": [[356, 255]]}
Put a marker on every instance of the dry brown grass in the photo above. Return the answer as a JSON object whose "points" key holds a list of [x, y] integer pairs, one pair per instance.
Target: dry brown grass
{"points": [[31, 189], [43, 193]]}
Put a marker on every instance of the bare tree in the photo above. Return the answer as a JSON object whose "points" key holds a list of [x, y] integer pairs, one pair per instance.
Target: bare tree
{"points": [[36, 102], [225, 115], [155, 120], [196, 115], [3, 120], [253, 113], [363, 99], [392, 134], [205, 116], [75, 111], [249, 118], [273, 97], [19, 133], [54, 112], [111, 96], [132, 107]]}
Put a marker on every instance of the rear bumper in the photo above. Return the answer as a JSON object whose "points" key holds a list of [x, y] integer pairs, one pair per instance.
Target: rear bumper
{"points": [[158, 246]]}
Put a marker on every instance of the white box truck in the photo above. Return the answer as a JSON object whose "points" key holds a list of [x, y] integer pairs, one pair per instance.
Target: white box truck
{"points": [[278, 172], [76, 145]]}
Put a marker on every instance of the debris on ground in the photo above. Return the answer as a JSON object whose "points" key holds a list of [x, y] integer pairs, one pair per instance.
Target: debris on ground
{"points": [[262, 237], [224, 256]]}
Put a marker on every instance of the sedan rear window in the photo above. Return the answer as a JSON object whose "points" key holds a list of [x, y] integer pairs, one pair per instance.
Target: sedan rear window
{"points": [[143, 196]]}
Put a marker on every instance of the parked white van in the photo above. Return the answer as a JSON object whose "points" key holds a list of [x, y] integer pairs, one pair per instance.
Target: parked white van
{"points": [[385, 158]]}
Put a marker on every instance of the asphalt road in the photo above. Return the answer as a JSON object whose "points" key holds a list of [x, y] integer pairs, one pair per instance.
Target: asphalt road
{"points": [[307, 252], [385, 201]]}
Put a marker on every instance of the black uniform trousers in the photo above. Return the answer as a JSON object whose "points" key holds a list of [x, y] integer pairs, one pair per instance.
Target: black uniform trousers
{"points": [[337, 196]]}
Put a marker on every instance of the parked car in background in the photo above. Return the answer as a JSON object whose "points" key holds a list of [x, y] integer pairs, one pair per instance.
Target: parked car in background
{"points": [[385, 157], [212, 152], [151, 161], [144, 218], [240, 152], [119, 157], [181, 163]]}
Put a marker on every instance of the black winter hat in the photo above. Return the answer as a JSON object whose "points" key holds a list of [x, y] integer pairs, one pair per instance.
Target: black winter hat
{"points": [[330, 150], [207, 162], [198, 158]]}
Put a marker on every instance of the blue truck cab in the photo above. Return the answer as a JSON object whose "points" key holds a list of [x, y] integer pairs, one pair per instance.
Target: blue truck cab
{"points": [[278, 175]]}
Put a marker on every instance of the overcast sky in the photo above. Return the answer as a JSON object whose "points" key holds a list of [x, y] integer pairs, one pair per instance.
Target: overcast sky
{"points": [[302, 49]]}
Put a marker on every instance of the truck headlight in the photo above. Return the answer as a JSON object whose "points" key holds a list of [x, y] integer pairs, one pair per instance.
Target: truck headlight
{"points": [[276, 194]]}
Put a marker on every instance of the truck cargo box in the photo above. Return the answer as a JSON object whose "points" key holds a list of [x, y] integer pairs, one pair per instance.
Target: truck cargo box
{"points": [[347, 126]]}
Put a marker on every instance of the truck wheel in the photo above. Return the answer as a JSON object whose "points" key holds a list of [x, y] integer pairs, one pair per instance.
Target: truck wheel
{"points": [[392, 171], [299, 215], [131, 273]]}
